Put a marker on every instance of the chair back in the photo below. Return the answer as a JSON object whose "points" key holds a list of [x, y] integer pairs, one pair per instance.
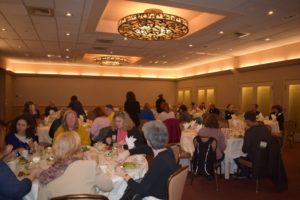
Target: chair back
{"points": [[173, 126], [176, 150], [176, 183], [80, 196], [261, 160], [102, 134]]}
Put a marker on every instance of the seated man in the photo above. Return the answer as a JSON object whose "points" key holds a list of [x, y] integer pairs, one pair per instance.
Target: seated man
{"points": [[253, 135]]}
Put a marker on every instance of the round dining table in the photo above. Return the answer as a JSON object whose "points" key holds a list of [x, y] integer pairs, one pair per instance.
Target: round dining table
{"points": [[106, 161]]}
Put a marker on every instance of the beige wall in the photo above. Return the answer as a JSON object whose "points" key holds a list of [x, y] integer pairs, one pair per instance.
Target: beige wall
{"points": [[227, 86], [91, 91]]}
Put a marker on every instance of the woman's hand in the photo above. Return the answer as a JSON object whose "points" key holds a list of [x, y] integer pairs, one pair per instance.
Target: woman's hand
{"points": [[122, 156], [35, 173], [120, 171]]}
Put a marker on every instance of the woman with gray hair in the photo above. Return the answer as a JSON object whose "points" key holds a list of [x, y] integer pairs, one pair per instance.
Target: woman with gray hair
{"points": [[161, 167]]}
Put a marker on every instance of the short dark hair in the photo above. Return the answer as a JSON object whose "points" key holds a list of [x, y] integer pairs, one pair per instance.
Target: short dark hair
{"points": [[211, 121], [183, 108], [98, 112], [250, 115], [109, 106], [74, 98]]}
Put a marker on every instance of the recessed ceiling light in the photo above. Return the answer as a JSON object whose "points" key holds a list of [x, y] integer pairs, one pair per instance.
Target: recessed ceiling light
{"points": [[267, 39], [163, 56], [26, 54], [165, 62], [68, 14], [67, 57], [67, 49], [3, 29], [230, 49], [156, 62], [125, 38], [111, 52], [68, 34], [19, 47], [49, 55], [221, 32], [150, 61], [270, 12], [190, 45]]}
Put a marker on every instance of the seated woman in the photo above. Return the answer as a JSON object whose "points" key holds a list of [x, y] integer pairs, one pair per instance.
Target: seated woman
{"points": [[146, 114], [211, 129], [70, 123], [184, 115], [70, 174], [99, 122], [161, 167], [229, 112], [11, 188], [166, 113], [278, 114], [22, 134], [123, 127]]}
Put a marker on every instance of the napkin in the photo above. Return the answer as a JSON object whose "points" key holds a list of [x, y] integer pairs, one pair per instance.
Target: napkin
{"points": [[186, 126], [192, 123], [130, 142]]}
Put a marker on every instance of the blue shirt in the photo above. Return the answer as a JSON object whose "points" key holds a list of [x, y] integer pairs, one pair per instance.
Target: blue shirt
{"points": [[16, 143], [10, 187], [146, 115]]}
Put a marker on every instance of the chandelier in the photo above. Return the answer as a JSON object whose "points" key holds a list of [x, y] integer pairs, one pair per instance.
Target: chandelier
{"points": [[111, 60], [153, 24]]}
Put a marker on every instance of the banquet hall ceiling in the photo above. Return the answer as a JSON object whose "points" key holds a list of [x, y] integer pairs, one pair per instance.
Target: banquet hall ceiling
{"points": [[43, 38]]}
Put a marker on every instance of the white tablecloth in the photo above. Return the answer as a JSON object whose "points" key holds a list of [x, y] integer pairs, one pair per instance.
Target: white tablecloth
{"points": [[232, 151], [107, 165]]}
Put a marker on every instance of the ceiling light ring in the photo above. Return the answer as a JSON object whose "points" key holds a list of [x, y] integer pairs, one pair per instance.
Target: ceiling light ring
{"points": [[154, 25]]}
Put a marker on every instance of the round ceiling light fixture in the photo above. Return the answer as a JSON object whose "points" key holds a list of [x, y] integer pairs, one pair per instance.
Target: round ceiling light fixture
{"points": [[153, 24], [111, 60]]}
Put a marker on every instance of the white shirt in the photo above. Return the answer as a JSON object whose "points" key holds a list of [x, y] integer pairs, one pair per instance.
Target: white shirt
{"points": [[164, 115]]}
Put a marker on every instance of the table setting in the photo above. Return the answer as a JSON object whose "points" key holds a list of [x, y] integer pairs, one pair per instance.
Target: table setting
{"points": [[135, 165]]}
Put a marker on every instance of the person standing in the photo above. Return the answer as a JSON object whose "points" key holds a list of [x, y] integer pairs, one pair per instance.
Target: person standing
{"points": [[76, 105], [159, 102], [132, 107]]}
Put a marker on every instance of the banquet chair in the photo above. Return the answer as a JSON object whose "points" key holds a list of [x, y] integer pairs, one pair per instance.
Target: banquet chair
{"points": [[173, 127], [80, 196], [216, 165], [289, 133], [176, 183], [259, 166]]}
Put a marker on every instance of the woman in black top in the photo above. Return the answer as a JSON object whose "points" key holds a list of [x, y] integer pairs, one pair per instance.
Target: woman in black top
{"points": [[122, 127], [277, 111], [229, 112], [155, 181], [132, 107]]}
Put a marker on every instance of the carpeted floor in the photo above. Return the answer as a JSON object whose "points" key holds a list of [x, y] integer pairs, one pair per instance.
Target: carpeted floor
{"points": [[245, 189]]}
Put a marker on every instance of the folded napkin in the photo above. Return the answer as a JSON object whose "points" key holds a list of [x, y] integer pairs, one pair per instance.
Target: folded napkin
{"points": [[186, 125], [192, 123], [130, 142]]}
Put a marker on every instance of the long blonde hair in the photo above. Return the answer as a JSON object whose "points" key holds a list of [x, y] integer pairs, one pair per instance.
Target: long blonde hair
{"points": [[66, 145], [64, 121], [128, 123]]}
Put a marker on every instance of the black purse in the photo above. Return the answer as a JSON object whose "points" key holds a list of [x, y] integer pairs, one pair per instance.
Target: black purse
{"points": [[130, 194]]}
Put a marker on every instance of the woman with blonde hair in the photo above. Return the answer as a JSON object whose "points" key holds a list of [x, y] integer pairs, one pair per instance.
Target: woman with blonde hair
{"points": [[70, 123], [70, 174], [123, 132]]}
